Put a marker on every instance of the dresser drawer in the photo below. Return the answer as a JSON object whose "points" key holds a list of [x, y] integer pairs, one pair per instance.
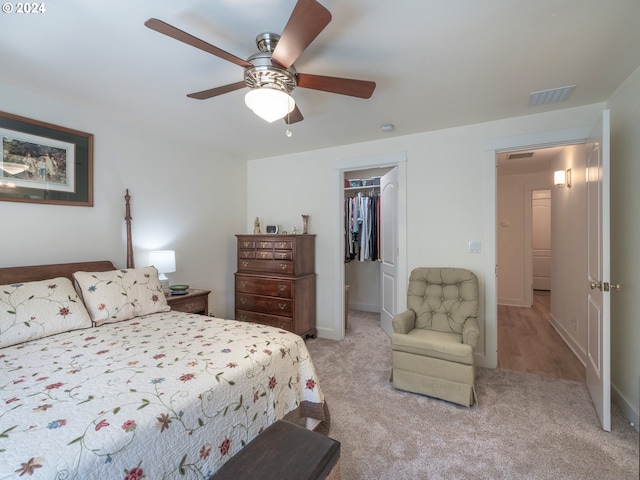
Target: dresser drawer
{"points": [[264, 319], [270, 305], [244, 243], [283, 245], [283, 255], [264, 245], [273, 287], [283, 267], [246, 254]]}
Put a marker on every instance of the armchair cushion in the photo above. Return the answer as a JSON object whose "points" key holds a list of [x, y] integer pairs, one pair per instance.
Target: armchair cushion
{"points": [[430, 343]]}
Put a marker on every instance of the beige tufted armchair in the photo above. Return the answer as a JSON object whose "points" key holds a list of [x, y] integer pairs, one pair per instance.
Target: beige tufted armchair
{"points": [[434, 340]]}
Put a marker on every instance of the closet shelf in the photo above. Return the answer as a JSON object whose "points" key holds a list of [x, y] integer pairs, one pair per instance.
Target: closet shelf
{"points": [[367, 187]]}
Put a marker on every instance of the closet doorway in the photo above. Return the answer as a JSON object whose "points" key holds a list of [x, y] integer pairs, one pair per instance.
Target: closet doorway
{"points": [[370, 281], [373, 286]]}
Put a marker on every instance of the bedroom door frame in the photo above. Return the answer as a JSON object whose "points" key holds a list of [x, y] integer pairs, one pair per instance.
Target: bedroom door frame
{"points": [[493, 147], [396, 159]]}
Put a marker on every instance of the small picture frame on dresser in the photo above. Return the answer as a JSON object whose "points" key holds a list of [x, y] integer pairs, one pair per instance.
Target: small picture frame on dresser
{"points": [[272, 229]]}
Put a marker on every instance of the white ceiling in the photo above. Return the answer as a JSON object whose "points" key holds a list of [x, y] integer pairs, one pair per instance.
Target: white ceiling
{"points": [[437, 64]]}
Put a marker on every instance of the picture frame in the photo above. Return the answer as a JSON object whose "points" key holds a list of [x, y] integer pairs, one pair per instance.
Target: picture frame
{"points": [[44, 163]]}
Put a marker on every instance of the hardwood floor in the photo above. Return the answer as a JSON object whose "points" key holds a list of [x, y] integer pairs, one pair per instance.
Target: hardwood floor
{"points": [[528, 343]]}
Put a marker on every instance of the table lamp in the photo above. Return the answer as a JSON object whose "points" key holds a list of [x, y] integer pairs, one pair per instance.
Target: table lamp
{"points": [[165, 262]]}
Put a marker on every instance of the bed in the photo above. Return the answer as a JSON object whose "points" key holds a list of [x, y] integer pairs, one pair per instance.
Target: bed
{"points": [[100, 380]]}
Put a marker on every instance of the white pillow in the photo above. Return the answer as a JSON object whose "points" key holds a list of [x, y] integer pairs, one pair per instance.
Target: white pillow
{"points": [[34, 310], [121, 294]]}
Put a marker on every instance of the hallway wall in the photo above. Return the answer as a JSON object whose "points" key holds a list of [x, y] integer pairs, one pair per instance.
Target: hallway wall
{"points": [[569, 245]]}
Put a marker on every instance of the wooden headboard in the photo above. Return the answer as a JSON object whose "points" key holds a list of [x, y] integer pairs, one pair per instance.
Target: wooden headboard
{"points": [[34, 273]]}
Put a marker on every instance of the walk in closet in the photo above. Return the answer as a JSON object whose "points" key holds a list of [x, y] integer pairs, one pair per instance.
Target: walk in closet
{"points": [[362, 223]]}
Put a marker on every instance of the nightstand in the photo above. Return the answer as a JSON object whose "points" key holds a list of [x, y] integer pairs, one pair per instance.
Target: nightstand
{"points": [[196, 301]]}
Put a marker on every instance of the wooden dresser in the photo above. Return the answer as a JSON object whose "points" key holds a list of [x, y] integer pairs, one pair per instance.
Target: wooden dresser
{"points": [[276, 282]]}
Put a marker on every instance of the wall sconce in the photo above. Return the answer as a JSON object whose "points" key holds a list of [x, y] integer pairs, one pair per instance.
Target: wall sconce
{"points": [[165, 262], [562, 178]]}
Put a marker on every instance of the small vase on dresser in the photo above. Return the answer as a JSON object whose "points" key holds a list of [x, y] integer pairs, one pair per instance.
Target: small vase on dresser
{"points": [[276, 282]]}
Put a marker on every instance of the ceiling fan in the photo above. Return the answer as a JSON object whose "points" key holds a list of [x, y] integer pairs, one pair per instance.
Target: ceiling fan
{"points": [[270, 73]]}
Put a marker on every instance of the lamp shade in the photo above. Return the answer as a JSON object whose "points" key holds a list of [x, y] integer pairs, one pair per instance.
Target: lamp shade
{"points": [[559, 179], [271, 104], [163, 260]]}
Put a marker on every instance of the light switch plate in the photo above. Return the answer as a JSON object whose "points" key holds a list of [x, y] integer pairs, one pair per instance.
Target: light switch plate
{"points": [[474, 246]]}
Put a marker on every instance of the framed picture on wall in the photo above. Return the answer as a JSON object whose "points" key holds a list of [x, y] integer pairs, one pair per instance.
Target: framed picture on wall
{"points": [[45, 163]]}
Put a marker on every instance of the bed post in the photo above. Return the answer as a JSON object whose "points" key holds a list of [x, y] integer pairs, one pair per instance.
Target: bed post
{"points": [[127, 198]]}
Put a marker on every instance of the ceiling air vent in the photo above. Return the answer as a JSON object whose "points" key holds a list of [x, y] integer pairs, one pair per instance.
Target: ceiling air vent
{"points": [[515, 156], [555, 95]]}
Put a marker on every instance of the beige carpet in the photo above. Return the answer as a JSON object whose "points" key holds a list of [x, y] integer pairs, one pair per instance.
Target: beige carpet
{"points": [[525, 426]]}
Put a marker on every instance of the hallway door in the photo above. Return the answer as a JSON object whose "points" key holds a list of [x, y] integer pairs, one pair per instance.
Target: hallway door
{"points": [[598, 271], [541, 239]]}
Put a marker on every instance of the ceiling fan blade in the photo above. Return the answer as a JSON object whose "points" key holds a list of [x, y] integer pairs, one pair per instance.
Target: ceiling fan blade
{"points": [[214, 92], [306, 22], [173, 32], [343, 86], [294, 117]]}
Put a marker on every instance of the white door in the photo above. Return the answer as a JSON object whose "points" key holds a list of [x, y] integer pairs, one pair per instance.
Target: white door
{"points": [[598, 271], [388, 248], [541, 239]]}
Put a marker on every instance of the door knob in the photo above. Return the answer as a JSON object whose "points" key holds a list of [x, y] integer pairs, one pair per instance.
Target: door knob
{"points": [[595, 285]]}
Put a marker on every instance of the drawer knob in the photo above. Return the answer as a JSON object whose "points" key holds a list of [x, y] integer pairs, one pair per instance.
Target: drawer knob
{"points": [[264, 244], [282, 288], [245, 264], [283, 266], [282, 306], [243, 283], [246, 244], [263, 254], [243, 318], [282, 244], [189, 306], [243, 301]]}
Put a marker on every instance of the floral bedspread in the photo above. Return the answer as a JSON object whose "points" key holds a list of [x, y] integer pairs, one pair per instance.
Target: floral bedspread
{"points": [[165, 396]]}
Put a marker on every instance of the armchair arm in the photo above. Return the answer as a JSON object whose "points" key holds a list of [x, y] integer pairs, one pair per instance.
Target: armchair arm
{"points": [[470, 332], [404, 322]]}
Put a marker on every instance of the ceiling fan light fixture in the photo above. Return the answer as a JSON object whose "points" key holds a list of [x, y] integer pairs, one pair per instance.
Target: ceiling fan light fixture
{"points": [[270, 104]]}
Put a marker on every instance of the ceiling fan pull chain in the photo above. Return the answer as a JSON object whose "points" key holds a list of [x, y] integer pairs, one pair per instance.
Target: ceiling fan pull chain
{"points": [[288, 132]]}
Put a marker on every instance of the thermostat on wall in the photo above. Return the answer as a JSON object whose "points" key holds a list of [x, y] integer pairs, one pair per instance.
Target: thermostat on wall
{"points": [[272, 228]]}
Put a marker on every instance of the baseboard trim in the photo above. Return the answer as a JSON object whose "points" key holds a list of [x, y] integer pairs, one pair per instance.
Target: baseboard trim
{"points": [[569, 340], [513, 302], [364, 307], [627, 409]]}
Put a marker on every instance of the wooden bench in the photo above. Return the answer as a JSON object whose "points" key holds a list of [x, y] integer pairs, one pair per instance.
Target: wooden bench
{"points": [[285, 451]]}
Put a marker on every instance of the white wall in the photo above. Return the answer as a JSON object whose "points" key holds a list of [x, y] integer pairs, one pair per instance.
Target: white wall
{"points": [[184, 197], [625, 239], [446, 198], [569, 250]]}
